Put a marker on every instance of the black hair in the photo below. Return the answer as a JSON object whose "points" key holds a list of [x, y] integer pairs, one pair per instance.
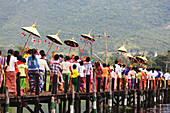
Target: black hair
{"points": [[74, 66], [133, 68], [61, 56], [23, 60], [108, 65], [81, 63], [19, 57], [104, 64], [10, 52], [87, 59], [67, 58], [116, 61], [16, 53], [124, 65], [0, 52], [29, 51], [76, 58], [56, 57], [42, 52], [33, 53]]}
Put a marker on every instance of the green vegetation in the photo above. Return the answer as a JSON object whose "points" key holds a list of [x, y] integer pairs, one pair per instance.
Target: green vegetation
{"points": [[139, 24]]}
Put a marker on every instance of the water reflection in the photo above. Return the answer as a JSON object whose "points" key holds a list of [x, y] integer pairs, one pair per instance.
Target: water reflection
{"points": [[160, 108]]}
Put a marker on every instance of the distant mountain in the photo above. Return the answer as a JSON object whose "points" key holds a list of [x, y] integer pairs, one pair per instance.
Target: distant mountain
{"points": [[139, 24]]}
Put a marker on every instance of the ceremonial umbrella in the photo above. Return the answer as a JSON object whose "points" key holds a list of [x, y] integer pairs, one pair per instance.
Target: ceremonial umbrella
{"points": [[87, 37], [54, 39], [32, 30], [71, 43], [129, 56], [122, 49], [141, 59]]}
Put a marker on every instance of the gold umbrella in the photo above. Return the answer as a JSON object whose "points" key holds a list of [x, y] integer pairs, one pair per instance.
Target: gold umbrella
{"points": [[71, 43], [88, 37], [142, 58], [54, 39], [122, 49], [32, 30], [128, 56]]}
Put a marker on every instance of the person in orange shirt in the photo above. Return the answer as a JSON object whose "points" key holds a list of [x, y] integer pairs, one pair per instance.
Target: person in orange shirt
{"points": [[105, 74]]}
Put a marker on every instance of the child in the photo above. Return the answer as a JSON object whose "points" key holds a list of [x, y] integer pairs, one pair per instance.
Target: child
{"points": [[74, 77], [23, 74], [81, 71], [105, 74], [66, 69]]}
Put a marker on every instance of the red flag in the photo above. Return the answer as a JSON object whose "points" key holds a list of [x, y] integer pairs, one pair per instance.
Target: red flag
{"points": [[57, 48], [80, 38], [49, 42], [45, 41], [79, 49], [84, 40], [22, 34], [34, 39], [38, 41]]}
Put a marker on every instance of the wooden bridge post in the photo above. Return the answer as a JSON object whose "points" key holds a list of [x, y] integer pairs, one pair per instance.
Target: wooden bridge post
{"points": [[155, 89], [160, 93], [110, 95], [77, 106], [6, 100], [142, 94], [98, 95], [138, 96], [53, 105], [88, 96], [113, 88], [72, 102], [95, 96], [118, 90], [104, 95], [37, 105], [123, 97], [65, 92], [19, 107]]}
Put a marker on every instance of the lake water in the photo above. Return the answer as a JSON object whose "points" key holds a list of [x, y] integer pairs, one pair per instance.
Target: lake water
{"points": [[163, 108]]}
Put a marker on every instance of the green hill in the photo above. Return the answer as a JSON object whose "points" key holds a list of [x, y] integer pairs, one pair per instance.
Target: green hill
{"points": [[139, 24]]}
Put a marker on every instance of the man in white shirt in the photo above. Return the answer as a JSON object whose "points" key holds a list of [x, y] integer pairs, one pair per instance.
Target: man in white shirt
{"points": [[118, 71]]}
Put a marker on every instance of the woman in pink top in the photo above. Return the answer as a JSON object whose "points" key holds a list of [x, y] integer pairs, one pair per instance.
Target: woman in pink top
{"points": [[98, 70]]}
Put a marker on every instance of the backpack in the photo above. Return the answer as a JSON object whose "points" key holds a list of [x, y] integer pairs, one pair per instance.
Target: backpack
{"points": [[32, 63]]}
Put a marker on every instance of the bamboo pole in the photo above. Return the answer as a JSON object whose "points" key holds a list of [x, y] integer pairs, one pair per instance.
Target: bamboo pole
{"points": [[49, 49], [26, 43], [7, 100], [83, 49], [69, 51], [72, 102]]}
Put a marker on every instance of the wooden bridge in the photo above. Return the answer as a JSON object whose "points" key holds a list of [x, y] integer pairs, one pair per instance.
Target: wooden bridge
{"points": [[151, 93]]}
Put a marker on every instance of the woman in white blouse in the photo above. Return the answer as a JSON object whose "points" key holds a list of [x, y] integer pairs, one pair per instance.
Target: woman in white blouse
{"points": [[10, 76]]}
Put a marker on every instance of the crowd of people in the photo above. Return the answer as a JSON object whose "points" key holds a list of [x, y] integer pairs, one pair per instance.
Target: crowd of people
{"points": [[34, 61]]}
